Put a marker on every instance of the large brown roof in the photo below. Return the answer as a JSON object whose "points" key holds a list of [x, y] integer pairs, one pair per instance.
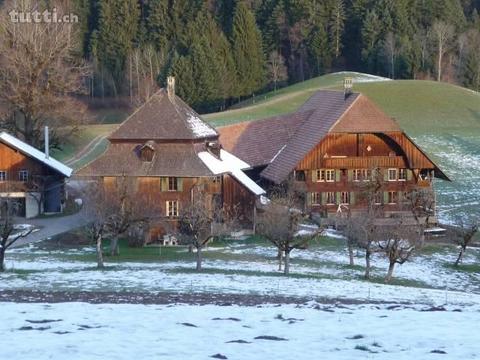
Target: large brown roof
{"points": [[164, 118], [328, 106], [258, 142], [179, 160]]}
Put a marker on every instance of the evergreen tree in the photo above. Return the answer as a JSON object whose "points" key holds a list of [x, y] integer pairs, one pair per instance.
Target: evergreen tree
{"points": [[157, 20], [247, 51], [115, 34]]}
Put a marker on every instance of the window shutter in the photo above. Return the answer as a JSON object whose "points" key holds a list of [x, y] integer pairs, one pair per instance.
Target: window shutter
{"points": [[314, 175], [180, 184], [352, 198], [164, 184], [385, 174], [324, 198], [385, 197], [350, 175], [337, 175], [409, 174], [338, 197]]}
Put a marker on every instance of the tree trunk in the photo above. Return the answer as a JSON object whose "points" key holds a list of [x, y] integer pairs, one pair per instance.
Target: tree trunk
{"points": [[280, 259], [390, 272], [367, 264], [460, 256], [100, 264], [287, 262], [199, 258], [2, 259], [114, 248], [350, 254], [440, 55]]}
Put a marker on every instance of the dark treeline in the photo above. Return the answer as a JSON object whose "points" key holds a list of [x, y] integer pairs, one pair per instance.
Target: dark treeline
{"points": [[225, 50]]}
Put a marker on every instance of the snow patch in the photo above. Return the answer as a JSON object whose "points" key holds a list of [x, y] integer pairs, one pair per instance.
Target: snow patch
{"points": [[199, 127]]}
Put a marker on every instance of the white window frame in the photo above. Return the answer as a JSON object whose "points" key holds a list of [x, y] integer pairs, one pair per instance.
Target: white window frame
{"points": [[3, 175], [23, 175], [320, 175], [333, 195], [366, 174], [404, 172], [175, 188], [378, 196], [347, 195], [330, 175], [316, 198], [172, 208], [389, 174], [357, 174]]}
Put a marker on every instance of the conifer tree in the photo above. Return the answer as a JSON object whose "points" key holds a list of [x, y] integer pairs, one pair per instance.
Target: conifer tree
{"points": [[247, 51], [116, 30]]}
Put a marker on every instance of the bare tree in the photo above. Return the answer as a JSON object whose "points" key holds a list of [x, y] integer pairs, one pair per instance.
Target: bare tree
{"points": [[39, 76], [464, 235], [144, 66], [281, 224], [200, 221], [391, 51], [9, 232], [337, 24], [114, 210], [276, 68], [443, 34], [399, 243]]}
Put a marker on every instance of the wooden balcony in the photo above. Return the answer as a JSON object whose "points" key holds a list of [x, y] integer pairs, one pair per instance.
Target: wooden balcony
{"points": [[366, 162]]}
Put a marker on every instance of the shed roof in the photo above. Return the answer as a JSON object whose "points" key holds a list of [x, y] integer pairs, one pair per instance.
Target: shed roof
{"points": [[29, 150]]}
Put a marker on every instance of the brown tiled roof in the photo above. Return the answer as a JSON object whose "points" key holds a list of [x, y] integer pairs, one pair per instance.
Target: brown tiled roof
{"points": [[328, 106], [163, 118], [365, 117], [257, 142], [169, 160]]}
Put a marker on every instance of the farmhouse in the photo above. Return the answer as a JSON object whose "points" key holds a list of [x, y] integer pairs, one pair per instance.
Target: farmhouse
{"points": [[170, 153], [35, 180], [332, 147]]}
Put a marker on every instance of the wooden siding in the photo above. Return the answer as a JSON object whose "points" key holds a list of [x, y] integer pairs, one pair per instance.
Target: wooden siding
{"points": [[347, 151], [13, 161], [238, 199]]}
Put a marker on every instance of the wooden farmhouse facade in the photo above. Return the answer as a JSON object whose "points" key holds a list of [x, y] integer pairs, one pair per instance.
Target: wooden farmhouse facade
{"points": [[171, 155], [33, 179], [333, 147]]}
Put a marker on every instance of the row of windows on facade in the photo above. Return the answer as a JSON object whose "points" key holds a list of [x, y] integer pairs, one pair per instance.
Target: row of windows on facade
{"points": [[22, 175], [176, 184], [348, 198], [332, 175]]}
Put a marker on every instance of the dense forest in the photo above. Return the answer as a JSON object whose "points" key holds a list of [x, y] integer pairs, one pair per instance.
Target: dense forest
{"points": [[225, 50]]}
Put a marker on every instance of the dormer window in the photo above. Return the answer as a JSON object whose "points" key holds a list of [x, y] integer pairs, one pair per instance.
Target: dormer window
{"points": [[147, 151]]}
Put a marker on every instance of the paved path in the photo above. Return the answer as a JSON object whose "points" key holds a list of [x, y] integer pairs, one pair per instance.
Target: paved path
{"points": [[52, 226]]}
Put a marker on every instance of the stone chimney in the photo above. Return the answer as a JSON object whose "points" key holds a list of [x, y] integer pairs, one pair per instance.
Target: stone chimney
{"points": [[347, 86], [171, 87]]}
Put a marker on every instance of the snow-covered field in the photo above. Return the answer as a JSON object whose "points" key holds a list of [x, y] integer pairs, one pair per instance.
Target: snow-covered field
{"points": [[460, 158], [83, 331], [239, 268]]}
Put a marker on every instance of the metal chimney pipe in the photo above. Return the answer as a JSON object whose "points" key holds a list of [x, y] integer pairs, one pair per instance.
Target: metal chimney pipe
{"points": [[47, 144]]}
